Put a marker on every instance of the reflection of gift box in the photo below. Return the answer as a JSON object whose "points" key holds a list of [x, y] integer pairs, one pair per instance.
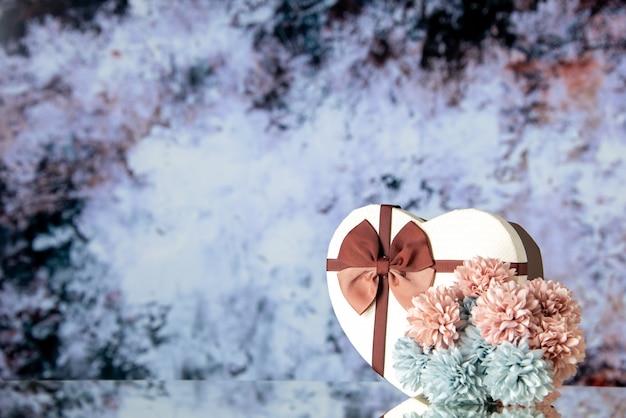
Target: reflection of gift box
{"points": [[381, 257]]}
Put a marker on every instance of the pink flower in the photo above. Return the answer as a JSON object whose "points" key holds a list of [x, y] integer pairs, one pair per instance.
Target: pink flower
{"points": [[504, 313], [435, 318], [555, 300], [478, 274], [555, 327], [563, 344], [565, 370]]}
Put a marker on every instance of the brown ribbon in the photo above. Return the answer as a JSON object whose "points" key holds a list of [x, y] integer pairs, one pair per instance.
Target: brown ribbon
{"points": [[369, 264], [534, 268]]}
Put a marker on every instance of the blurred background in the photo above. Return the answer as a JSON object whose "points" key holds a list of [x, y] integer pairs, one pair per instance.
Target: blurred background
{"points": [[171, 172]]}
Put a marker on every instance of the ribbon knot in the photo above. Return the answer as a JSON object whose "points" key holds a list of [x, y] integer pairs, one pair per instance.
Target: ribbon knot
{"points": [[382, 266]]}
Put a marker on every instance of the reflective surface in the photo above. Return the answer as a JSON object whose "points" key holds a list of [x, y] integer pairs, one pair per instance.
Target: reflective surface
{"points": [[252, 399]]}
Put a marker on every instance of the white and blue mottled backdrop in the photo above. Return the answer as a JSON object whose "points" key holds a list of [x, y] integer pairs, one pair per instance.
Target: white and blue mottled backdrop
{"points": [[172, 172]]}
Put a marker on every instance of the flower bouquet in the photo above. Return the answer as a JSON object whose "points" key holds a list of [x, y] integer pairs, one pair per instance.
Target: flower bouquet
{"points": [[489, 339]]}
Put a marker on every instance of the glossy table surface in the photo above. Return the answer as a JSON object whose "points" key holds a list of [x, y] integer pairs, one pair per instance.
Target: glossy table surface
{"points": [[257, 399]]}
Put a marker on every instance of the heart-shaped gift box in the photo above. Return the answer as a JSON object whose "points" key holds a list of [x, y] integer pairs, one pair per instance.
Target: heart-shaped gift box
{"points": [[381, 256]]}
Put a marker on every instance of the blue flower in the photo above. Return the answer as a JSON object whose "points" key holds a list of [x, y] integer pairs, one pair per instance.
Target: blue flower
{"points": [[448, 378], [408, 361], [474, 348], [517, 375], [465, 308]]}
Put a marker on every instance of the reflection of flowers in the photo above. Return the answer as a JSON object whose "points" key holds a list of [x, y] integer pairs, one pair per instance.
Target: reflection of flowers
{"points": [[460, 410], [435, 318], [485, 410], [517, 375], [504, 313], [446, 377], [477, 274], [519, 413], [408, 361], [546, 407]]}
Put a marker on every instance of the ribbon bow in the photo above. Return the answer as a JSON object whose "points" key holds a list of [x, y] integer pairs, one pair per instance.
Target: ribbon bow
{"points": [[361, 263]]}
